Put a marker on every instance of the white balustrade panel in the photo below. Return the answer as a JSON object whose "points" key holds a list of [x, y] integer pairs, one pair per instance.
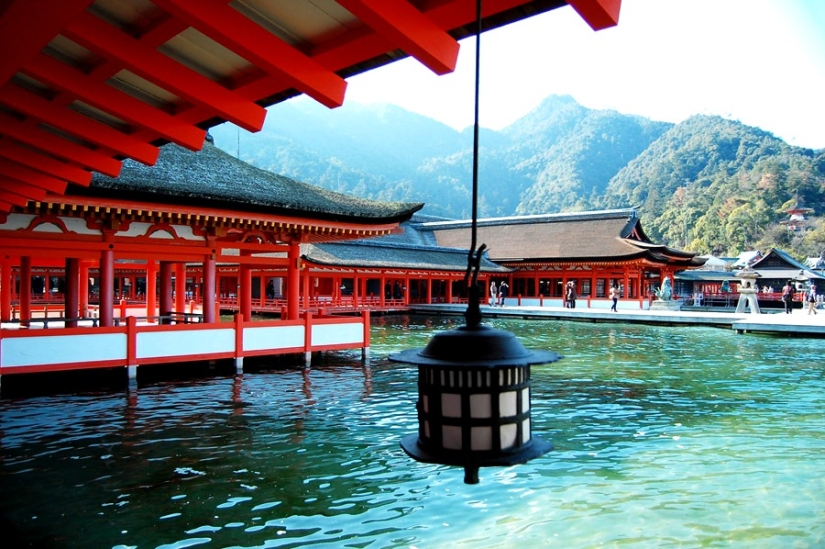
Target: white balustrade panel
{"points": [[337, 334], [273, 337], [74, 349], [181, 343]]}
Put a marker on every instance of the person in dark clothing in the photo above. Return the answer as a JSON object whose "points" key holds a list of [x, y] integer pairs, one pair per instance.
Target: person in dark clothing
{"points": [[787, 296], [570, 295], [503, 289]]}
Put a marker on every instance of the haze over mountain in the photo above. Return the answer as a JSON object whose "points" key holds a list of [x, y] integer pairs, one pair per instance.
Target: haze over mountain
{"points": [[706, 184]]}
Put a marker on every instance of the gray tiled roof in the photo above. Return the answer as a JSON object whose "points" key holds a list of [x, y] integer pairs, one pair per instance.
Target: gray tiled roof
{"points": [[607, 235], [384, 255], [214, 179]]}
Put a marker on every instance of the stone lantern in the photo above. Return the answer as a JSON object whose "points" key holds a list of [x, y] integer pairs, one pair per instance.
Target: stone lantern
{"points": [[748, 291]]}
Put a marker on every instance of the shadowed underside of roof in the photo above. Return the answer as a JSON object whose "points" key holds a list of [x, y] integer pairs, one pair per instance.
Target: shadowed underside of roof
{"points": [[213, 179], [87, 83]]}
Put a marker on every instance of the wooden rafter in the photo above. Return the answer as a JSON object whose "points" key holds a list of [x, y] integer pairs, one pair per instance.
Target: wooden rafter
{"points": [[410, 30], [77, 124], [229, 27], [44, 164], [59, 147], [96, 93], [13, 170], [156, 67]]}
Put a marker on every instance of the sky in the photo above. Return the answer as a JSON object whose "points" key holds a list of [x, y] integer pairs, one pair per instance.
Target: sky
{"points": [[761, 62]]}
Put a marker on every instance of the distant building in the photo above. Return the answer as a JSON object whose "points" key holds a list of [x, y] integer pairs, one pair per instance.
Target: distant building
{"points": [[591, 249]]}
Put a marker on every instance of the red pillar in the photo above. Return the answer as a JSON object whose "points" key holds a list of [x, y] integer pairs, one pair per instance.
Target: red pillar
{"points": [[166, 304], [151, 289], [25, 290], [71, 299], [209, 289], [429, 289], [180, 287], [305, 288], [6, 283], [293, 281], [107, 287], [83, 287], [245, 292]]}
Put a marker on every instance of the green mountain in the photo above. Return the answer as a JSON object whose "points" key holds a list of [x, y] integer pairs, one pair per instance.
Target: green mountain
{"points": [[708, 184]]}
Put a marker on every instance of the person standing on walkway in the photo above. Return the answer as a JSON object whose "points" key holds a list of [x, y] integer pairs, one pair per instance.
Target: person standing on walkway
{"points": [[787, 296], [493, 293], [570, 294], [503, 289], [614, 295], [811, 299]]}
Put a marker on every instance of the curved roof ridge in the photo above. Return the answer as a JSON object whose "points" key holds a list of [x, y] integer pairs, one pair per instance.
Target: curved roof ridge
{"points": [[619, 213]]}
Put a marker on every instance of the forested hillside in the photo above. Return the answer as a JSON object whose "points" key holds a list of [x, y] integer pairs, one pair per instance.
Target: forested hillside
{"points": [[708, 184]]}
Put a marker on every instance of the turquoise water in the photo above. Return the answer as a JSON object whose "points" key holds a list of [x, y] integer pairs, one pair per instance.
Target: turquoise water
{"points": [[684, 437]]}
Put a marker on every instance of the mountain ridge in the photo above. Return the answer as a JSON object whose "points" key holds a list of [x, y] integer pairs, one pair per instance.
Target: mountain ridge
{"points": [[560, 157]]}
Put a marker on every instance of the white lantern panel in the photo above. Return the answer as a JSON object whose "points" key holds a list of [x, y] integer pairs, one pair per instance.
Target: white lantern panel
{"points": [[450, 405], [509, 432], [525, 400], [507, 404], [425, 403], [525, 430], [480, 406], [481, 438], [451, 437]]}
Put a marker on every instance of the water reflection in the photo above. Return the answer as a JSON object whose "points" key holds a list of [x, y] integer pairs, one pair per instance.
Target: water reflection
{"points": [[664, 436]]}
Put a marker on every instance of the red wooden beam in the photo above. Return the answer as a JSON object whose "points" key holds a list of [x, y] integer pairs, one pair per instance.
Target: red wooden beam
{"points": [[229, 27], [44, 164], [162, 70], [13, 188], [77, 124], [12, 199], [412, 31], [26, 27], [59, 147], [108, 99], [13, 170], [599, 14]]}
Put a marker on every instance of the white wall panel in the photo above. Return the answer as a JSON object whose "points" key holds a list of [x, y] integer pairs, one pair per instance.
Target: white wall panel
{"points": [[28, 351]]}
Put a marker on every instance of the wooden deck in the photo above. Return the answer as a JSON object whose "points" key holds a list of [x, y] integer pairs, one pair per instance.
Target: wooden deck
{"points": [[799, 323]]}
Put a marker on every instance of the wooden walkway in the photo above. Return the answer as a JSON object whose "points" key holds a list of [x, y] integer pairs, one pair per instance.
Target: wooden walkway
{"points": [[799, 323]]}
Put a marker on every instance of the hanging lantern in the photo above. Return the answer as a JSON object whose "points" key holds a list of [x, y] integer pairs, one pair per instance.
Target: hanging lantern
{"points": [[474, 400], [474, 382]]}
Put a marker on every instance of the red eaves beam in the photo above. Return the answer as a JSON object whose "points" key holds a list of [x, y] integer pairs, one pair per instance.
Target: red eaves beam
{"points": [[148, 63], [402, 24], [44, 164], [599, 14], [106, 98], [233, 30], [77, 124], [13, 170], [21, 41], [59, 147]]}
